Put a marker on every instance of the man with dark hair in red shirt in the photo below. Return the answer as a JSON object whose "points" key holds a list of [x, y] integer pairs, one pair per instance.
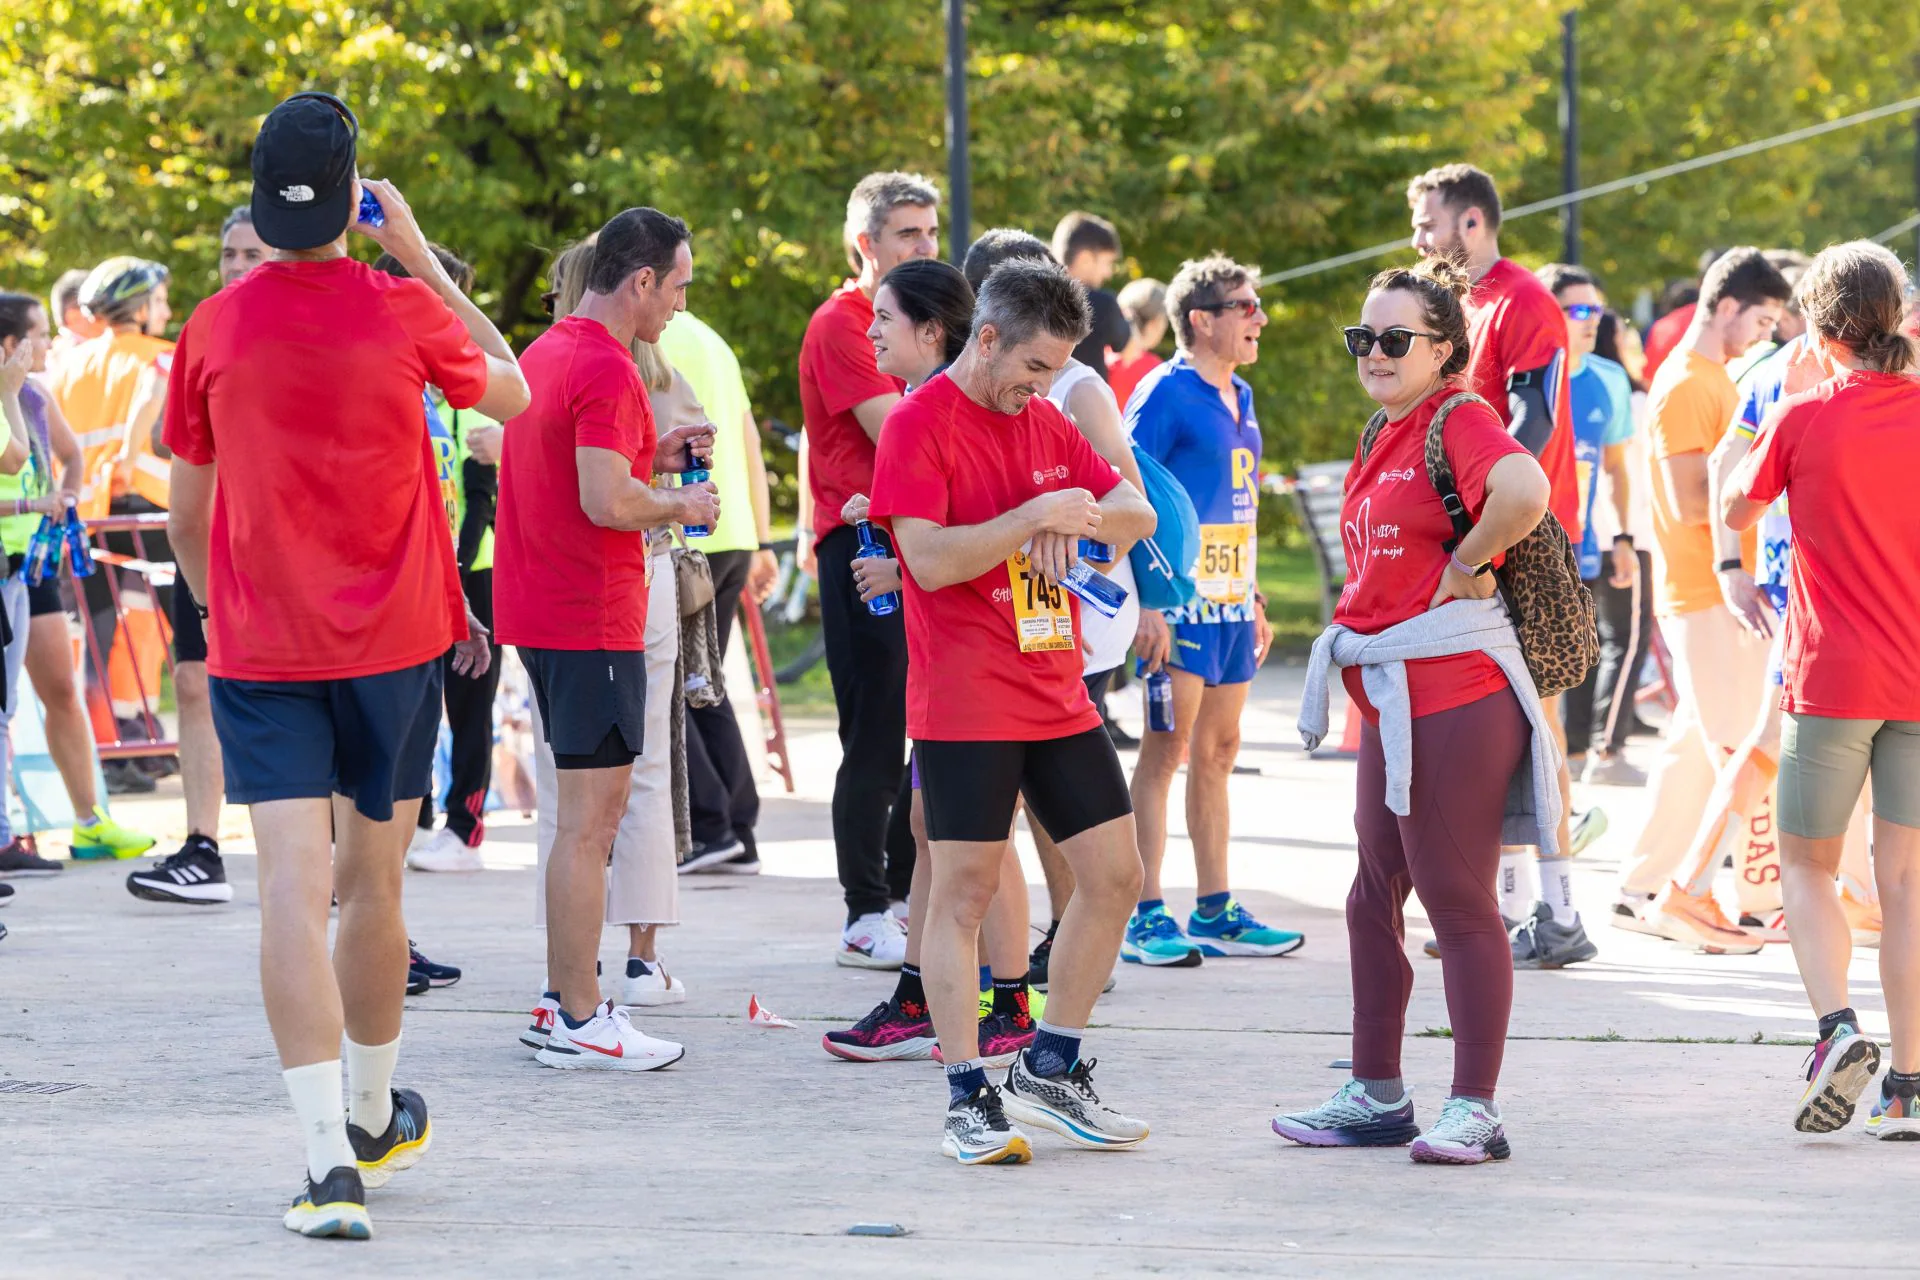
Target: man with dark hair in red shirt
{"points": [[306, 516], [1519, 365], [989, 489], [571, 576], [891, 217]]}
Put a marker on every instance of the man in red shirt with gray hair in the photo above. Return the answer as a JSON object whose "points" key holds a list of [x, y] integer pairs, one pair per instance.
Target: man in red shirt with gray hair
{"points": [[891, 217]]}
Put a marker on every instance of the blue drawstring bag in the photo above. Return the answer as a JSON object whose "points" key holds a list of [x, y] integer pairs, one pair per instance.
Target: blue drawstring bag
{"points": [[1165, 565]]}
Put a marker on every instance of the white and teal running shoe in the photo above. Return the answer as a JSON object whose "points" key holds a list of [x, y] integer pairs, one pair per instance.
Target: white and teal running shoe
{"points": [[1234, 932], [1351, 1119], [1469, 1132], [1154, 938]]}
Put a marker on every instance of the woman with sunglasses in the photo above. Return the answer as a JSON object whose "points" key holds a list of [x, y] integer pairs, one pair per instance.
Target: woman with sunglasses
{"points": [[1466, 721]]}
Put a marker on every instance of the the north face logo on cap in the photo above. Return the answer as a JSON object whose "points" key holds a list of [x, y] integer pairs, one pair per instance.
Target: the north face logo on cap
{"points": [[296, 195]]}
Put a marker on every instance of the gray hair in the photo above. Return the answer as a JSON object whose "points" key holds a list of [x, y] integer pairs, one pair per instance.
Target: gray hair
{"points": [[240, 214], [1200, 283], [879, 194], [1025, 296]]}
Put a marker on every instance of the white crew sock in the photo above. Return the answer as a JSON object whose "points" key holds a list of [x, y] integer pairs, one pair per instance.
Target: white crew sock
{"points": [[315, 1090], [1556, 889], [369, 1077], [1516, 894]]}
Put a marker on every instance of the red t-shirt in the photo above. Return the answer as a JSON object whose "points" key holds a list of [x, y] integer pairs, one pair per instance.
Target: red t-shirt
{"points": [[561, 581], [1845, 454], [1124, 375], [1396, 533], [947, 459], [1515, 325], [1664, 335], [330, 557], [837, 372]]}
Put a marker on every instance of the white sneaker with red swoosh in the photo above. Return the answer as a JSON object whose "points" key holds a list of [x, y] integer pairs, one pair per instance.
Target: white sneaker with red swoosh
{"points": [[608, 1041]]}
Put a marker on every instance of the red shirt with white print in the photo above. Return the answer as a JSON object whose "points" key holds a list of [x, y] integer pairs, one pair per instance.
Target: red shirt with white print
{"points": [[971, 677], [1396, 531]]}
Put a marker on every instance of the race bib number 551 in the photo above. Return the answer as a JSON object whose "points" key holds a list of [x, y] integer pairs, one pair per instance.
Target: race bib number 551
{"points": [[1226, 563], [1041, 619]]}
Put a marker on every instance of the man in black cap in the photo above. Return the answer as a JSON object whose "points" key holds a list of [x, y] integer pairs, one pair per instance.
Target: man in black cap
{"points": [[306, 516]]}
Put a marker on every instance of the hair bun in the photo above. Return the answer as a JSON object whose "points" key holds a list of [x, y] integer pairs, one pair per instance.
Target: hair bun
{"points": [[1447, 272]]}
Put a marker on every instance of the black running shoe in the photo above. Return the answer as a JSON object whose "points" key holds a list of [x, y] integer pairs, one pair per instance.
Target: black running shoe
{"points": [[6, 893], [123, 779], [409, 1134], [437, 975], [1037, 962], [417, 984], [193, 875], [20, 858], [335, 1206]]}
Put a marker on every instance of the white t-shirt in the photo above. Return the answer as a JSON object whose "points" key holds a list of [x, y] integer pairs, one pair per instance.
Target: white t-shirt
{"points": [[1108, 639]]}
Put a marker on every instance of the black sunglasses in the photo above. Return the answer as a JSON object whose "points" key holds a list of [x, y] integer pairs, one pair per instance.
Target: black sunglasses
{"points": [[1394, 343], [1582, 311]]}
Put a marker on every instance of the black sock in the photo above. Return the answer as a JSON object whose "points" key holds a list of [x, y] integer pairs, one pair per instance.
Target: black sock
{"points": [[910, 991], [1834, 1019], [1010, 998], [1906, 1084]]}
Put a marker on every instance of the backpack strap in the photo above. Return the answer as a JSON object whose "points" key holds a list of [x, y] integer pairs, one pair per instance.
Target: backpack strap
{"points": [[1440, 470], [1372, 432]]}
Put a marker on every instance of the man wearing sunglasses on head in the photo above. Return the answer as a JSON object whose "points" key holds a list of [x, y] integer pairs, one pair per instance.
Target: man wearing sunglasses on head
{"points": [[1519, 366], [306, 519], [1194, 415]]}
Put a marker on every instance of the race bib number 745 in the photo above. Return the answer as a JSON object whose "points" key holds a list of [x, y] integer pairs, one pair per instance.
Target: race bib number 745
{"points": [[1041, 619]]}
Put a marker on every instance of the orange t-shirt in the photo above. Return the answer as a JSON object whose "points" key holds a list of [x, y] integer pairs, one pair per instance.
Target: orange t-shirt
{"points": [[95, 384], [1689, 408]]}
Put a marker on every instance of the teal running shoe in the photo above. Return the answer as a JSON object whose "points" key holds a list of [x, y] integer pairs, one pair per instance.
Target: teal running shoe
{"points": [[1234, 932], [1155, 939]]}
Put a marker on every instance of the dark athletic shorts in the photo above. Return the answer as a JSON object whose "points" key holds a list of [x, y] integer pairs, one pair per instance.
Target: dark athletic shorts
{"points": [[368, 738], [1071, 784], [593, 704], [189, 633], [1096, 683]]}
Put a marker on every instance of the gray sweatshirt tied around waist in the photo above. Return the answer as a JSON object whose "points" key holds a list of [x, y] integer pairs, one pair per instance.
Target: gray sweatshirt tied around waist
{"points": [[1459, 626]]}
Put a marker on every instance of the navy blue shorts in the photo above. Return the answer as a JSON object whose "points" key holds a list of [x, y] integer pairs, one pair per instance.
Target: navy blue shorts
{"points": [[1218, 652], [368, 738], [593, 704]]}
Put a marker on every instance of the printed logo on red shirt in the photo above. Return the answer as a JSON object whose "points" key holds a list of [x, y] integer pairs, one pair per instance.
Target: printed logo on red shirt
{"points": [[1053, 473]]}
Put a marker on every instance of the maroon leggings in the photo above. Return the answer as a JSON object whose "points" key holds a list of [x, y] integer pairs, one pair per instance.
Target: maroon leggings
{"points": [[1447, 850]]}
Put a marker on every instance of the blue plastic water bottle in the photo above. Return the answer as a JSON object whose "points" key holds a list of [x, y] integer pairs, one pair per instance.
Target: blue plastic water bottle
{"points": [[43, 553], [79, 558], [696, 475], [1160, 702], [1095, 589], [1098, 552], [370, 211], [870, 547]]}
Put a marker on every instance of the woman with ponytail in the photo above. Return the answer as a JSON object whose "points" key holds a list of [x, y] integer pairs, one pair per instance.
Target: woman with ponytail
{"points": [[1845, 453]]}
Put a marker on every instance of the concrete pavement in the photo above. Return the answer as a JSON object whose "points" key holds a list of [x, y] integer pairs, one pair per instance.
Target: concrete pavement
{"points": [[1648, 1094]]}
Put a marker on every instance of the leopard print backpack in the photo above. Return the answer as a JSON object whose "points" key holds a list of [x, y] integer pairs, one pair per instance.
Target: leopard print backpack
{"points": [[1539, 581]]}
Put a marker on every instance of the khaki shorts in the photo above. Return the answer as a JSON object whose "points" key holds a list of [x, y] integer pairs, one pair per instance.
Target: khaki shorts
{"points": [[1824, 762]]}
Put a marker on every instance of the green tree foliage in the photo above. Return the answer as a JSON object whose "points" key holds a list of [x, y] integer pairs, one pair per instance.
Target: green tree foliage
{"points": [[1280, 133]]}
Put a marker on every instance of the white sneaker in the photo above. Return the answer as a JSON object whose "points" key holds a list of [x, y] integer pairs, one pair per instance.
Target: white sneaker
{"points": [[443, 851], [1637, 915], [545, 1014], [654, 986], [874, 941], [608, 1041]]}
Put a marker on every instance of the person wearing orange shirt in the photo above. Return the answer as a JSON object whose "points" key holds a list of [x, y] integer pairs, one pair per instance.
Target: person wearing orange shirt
{"points": [[1718, 665]]}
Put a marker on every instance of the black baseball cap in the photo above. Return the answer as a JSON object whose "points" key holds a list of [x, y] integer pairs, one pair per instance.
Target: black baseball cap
{"points": [[303, 166]]}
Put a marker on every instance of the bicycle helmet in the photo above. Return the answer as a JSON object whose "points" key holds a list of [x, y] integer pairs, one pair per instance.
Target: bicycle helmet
{"points": [[117, 287]]}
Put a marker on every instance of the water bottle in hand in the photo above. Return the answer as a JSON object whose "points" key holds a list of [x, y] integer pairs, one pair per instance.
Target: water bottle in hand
{"points": [[1159, 701], [871, 548], [1096, 590], [79, 557], [370, 211], [696, 475]]}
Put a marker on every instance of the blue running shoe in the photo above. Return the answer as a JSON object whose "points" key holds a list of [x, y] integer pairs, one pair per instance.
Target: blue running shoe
{"points": [[1351, 1119], [1234, 932], [1155, 939]]}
